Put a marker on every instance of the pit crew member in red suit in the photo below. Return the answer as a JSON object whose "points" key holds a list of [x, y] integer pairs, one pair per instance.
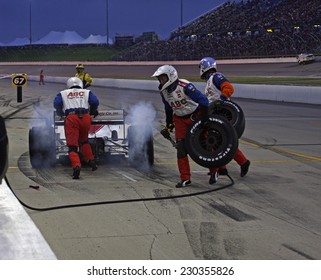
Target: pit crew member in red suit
{"points": [[183, 104], [77, 104]]}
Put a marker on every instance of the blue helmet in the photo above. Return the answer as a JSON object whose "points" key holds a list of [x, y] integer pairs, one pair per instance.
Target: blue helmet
{"points": [[206, 64]]}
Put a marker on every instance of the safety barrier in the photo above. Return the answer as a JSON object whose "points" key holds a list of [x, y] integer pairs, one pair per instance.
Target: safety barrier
{"points": [[282, 93]]}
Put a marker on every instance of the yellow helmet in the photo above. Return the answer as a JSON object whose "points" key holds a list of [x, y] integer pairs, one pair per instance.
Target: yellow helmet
{"points": [[80, 66]]}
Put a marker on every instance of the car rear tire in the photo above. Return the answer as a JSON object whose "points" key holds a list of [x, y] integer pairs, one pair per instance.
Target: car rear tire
{"points": [[214, 145], [140, 145], [42, 149]]}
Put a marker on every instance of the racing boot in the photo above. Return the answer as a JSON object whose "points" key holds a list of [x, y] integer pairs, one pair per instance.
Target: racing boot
{"points": [[183, 183], [213, 178], [245, 168], [76, 172], [92, 164], [223, 172]]}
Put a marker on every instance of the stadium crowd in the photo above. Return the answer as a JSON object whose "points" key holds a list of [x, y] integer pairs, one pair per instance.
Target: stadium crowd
{"points": [[252, 28]]}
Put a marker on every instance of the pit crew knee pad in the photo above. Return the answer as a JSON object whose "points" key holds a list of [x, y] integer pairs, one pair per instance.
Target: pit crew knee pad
{"points": [[181, 150], [73, 149], [83, 142]]}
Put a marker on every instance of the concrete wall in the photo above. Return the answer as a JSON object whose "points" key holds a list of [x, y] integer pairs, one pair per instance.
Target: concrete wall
{"points": [[297, 94]]}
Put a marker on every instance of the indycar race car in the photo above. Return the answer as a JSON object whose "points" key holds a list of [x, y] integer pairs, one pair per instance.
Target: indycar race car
{"points": [[109, 135]]}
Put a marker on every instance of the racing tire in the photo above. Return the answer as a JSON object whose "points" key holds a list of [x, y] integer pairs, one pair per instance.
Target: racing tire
{"points": [[42, 150], [140, 145], [4, 149], [231, 111], [213, 145]]}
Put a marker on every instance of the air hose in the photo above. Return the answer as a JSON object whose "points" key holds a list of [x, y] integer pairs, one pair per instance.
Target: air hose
{"points": [[121, 201]]}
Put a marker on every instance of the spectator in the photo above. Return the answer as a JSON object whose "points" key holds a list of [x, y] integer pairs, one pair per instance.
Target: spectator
{"points": [[41, 77]]}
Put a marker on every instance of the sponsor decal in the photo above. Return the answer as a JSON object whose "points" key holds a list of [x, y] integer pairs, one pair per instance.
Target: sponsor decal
{"points": [[213, 159], [95, 128], [215, 120], [236, 108], [195, 126], [112, 113], [76, 94]]}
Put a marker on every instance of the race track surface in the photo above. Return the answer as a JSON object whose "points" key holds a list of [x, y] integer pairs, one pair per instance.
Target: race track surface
{"points": [[128, 212], [191, 71]]}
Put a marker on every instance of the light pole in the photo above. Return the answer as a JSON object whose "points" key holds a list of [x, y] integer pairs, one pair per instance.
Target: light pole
{"points": [[30, 33], [107, 21], [181, 13]]}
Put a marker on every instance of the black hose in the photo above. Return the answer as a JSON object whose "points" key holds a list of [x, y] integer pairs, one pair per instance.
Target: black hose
{"points": [[121, 201]]}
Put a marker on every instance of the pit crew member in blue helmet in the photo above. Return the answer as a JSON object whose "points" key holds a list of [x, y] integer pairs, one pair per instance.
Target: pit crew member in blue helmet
{"points": [[218, 87]]}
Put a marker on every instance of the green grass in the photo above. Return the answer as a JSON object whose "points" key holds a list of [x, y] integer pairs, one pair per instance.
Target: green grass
{"points": [[238, 80], [58, 53], [302, 81]]}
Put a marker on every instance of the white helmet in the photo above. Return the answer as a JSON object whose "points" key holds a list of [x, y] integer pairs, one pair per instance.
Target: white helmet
{"points": [[74, 82], [171, 73], [206, 64]]}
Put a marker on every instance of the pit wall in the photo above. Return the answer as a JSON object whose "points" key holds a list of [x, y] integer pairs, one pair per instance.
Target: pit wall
{"points": [[282, 93]]}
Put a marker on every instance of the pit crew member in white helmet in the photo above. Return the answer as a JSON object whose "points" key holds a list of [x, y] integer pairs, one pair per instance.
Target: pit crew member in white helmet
{"points": [[183, 103], [77, 104]]}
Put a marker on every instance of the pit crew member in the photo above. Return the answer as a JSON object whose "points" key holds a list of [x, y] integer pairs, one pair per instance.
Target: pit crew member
{"points": [[183, 104], [77, 104], [218, 87]]}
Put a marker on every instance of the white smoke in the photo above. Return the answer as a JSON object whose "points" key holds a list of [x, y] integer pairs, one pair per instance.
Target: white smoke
{"points": [[41, 135], [42, 114], [141, 117], [142, 113]]}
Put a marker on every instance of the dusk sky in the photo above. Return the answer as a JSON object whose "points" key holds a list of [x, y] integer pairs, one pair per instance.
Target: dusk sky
{"points": [[86, 17]]}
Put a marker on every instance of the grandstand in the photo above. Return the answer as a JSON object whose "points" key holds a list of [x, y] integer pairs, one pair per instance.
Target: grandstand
{"points": [[246, 29], [253, 28]]}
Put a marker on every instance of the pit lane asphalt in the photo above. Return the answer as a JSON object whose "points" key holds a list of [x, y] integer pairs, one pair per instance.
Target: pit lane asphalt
{"points": [[272, 213]]}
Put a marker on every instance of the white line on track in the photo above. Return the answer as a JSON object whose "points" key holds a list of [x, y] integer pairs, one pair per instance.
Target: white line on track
{"points": [[127, 177]]}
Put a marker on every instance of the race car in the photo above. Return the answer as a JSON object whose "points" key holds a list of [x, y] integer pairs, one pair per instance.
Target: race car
{"points": [[304, 58], [109, 135]]}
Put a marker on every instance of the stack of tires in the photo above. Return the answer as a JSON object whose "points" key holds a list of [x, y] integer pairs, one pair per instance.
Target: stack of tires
{"points": [[215, 144]]}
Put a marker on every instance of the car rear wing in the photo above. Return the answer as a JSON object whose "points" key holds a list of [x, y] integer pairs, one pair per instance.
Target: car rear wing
{"points": [[107, 117]]}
